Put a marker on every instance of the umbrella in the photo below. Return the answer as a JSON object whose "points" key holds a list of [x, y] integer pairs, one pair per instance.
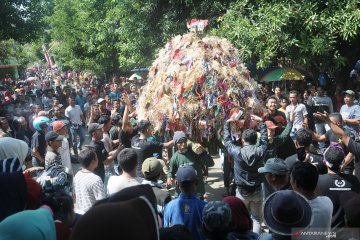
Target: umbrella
{"points": [[135, 76], [280, 74]]}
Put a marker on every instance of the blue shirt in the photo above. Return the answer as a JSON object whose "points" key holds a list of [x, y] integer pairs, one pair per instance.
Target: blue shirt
{"points": [[352, 112], [80, 100], [186, 210], [114, 95]]}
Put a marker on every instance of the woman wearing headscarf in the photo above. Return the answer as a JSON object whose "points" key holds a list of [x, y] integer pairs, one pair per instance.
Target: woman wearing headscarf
{"points": [[62, 205], [132, 220], [13, 148], [241, 223], [29, 225], [12, 193], [17, 190]]}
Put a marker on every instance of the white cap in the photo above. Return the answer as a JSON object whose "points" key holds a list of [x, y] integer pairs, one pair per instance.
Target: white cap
{"points": [[100, 100]]}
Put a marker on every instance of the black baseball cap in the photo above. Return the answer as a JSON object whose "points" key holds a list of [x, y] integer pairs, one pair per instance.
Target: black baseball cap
{"points": [[186, 174], [53, 136], [93, 127]]}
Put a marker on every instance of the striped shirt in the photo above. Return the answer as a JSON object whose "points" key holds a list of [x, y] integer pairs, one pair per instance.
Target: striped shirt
{"points": [[52, 157], [88, 189]]}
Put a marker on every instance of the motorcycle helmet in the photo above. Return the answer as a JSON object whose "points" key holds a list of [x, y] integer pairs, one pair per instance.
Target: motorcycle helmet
{"points": [[40, 123]]}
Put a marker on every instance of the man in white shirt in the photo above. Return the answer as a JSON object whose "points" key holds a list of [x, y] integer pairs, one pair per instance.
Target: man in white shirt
{"points": [[127, 159], [350, 113], [75, 115], [64, 151], [304, 178], [88, 186], [300, 112]]}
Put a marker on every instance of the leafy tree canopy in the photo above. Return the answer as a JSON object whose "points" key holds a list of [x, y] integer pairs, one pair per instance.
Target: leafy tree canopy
{"points": [[23, 20], [110, 35], [314, 34]]}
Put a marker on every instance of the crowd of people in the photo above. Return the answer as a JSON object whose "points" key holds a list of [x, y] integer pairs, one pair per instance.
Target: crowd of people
{"points": [[294, 173]]}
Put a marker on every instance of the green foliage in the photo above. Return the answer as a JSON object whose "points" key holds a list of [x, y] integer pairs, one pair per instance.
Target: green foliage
{"points": [[23, 20], [307, 33], [24, 54], [108, 35]]}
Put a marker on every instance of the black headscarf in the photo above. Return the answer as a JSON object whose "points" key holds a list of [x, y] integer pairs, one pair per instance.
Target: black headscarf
{"points": [[12, 193], [132, 220]]}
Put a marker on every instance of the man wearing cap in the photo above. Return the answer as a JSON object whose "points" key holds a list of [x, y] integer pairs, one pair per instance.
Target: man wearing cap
{"points": [[276, 174], [350, 113], [58, 113], [152, 170], [277, 140], [54, 141], [279, 119], [102, 106], [186, 156], [38, 146], [187, 209], [64, 150], [105, 158], [143, 147]]}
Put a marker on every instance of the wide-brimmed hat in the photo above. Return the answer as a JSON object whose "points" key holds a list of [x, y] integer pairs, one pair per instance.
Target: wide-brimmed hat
{"points": [[285, 211]]}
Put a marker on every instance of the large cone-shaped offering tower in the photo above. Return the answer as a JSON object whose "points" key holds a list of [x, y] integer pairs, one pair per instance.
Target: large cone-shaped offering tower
{"points": [[196, 78]]}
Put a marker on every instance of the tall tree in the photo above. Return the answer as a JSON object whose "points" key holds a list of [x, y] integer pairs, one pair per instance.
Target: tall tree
{"points": [[23, 20], [314, 34], [106, 35]]}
